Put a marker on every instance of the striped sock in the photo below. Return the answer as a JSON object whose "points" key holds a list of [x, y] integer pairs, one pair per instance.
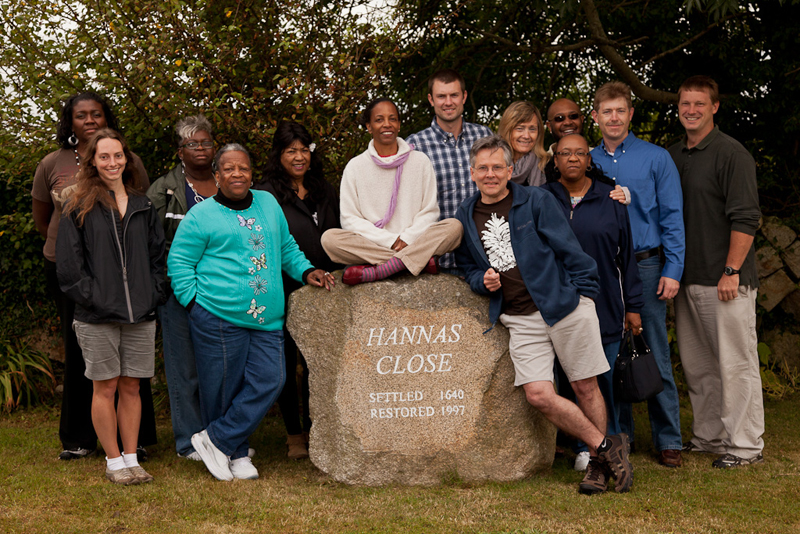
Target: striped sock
{"points": [[385, 270]]}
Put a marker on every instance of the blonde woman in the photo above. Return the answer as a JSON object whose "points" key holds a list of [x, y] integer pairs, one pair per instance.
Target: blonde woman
{"points": [[522, 128]]}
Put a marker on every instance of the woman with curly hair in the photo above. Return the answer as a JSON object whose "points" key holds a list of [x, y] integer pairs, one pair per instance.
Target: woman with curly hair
{"points": [[81, 116], [110, 262]]}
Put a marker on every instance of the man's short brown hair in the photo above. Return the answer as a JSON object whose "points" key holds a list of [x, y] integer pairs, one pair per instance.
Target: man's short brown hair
{"points": [[701, 83], [612, 91], [446, 76]]}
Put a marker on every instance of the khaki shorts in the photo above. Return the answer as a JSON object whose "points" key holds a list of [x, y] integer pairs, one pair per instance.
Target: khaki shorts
{"points": [[575, 339], [112, 349]]}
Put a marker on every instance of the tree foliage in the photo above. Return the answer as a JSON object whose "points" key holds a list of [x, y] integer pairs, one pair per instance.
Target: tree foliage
{"points": [[248, 64], [542, 50]]}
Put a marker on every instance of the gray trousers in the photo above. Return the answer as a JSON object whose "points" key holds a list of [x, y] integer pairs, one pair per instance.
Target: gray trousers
{"points": [[344, 246], [717, 342]]}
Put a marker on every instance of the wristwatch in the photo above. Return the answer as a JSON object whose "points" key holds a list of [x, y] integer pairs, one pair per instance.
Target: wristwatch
{"points": [[730, 271]]}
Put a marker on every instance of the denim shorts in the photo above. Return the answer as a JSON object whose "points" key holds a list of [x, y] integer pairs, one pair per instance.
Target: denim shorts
{"points": [[112, 349]]}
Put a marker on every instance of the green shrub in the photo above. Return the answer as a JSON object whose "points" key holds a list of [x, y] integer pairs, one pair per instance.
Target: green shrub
{"points": [[26, 376], [23, 296]]}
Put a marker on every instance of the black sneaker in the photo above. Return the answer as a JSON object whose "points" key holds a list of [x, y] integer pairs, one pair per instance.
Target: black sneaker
{"points": [[689, 446], [729, 461], [596, 479], [614, 453], [76, 454], [141, 454]]}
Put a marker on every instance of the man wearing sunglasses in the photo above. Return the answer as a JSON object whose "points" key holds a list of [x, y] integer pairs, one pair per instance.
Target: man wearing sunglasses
{"points": [[564, 117], [656, 214]]}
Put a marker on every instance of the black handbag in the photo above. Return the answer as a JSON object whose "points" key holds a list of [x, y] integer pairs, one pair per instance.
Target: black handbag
{"points": [[636, 376]]}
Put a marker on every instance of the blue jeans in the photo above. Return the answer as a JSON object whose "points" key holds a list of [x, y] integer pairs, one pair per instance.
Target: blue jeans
{"points": [[664, 409], [606, 384], [179, 364], [241, 373]]}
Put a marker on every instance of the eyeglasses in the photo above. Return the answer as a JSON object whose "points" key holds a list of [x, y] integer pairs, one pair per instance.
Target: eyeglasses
{"points": [[191, 145], [570, 154], [483, 170], [571, 116]]}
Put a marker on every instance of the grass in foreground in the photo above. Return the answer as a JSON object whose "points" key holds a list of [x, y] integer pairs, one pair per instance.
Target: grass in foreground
{"points": [[39, 493]]}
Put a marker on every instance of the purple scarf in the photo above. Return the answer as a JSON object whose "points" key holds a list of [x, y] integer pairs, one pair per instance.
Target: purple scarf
{"points": [[396, 164]]}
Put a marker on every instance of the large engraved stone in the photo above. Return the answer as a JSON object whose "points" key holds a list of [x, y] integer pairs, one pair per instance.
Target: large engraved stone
{"points": [[406, 387]]}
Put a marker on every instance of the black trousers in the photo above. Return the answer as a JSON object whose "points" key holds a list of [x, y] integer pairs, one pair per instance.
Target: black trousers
{"points": [[76, 429]]}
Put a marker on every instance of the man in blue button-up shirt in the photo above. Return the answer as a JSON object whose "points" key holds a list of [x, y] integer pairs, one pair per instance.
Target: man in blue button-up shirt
{"points": [[656, 215], [446, 143]]}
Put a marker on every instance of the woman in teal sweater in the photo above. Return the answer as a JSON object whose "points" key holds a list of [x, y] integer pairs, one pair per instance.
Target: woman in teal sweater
{"points": [[225, 264]]}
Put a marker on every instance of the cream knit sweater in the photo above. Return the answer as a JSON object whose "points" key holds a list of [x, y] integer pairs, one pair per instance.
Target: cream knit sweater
{"points": [[366, 190]]}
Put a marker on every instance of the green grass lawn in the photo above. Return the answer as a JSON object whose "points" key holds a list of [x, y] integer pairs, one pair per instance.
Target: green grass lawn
{"points": [[39, 493]]}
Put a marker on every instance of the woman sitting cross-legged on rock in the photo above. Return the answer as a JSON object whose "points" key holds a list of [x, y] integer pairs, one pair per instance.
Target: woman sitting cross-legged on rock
{"points": [[389, 211]]}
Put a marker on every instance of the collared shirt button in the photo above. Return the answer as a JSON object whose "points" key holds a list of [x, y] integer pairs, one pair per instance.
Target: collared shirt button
{"points": [[615, 161]]}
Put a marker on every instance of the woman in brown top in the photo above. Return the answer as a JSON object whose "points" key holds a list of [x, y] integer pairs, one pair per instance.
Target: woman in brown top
{"points": [[81, 116]]}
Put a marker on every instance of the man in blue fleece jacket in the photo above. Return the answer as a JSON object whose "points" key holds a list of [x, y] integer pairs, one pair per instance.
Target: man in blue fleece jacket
{"points": [[518, 248]]}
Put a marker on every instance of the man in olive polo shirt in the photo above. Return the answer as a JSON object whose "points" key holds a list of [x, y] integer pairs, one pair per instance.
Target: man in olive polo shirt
{"points": [[715, 308]]}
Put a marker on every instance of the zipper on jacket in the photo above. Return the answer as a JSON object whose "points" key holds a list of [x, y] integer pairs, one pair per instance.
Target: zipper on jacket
{"points": [[123, 258]]}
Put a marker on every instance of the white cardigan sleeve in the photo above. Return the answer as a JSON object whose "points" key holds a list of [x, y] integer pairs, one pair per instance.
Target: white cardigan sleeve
{"points": [[428, 213], [352, 214]]}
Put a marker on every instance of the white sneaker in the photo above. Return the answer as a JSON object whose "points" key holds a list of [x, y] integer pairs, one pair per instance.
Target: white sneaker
{"points": [[582, 461], [191, 456], [251, 452], [243, 468], [216, 461]]}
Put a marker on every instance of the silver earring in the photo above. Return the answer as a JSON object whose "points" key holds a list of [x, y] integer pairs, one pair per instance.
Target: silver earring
{"points": [[72, 140], [216, 183]]}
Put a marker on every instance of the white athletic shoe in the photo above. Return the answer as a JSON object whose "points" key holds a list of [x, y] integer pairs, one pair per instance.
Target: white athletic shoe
{"points": [[582, 461], [216, 461], [243, 468], [191, 456]]}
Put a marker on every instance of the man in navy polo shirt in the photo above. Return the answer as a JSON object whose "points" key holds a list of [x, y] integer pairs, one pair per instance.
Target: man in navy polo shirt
{"points": [[446, 143], [656, 214]]}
